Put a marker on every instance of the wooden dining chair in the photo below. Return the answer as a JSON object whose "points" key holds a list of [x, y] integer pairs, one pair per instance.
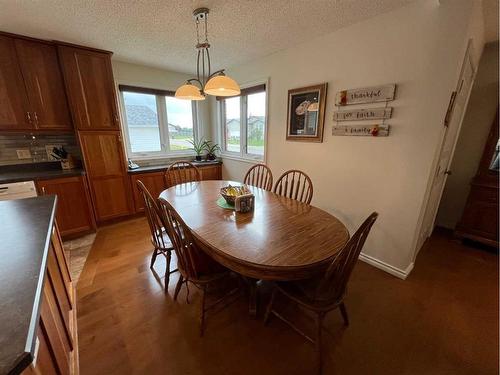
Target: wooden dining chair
{"points": [[260, 176], [295, 184], [325, 292], [159, 235], [181, 172], [194, 265]]}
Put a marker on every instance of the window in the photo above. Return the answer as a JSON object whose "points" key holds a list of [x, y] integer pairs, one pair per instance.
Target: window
{"points": [[243, 123], [156, 124]]}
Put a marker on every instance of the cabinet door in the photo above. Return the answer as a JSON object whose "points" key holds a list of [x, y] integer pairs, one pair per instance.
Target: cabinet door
{"points": [[211, 172], [90, 86], [153, 181], [105, 164], [14, 105], [44, 84], [74, 212]]}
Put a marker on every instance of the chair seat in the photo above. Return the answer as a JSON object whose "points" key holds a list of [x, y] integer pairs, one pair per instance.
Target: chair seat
{"points": [[305, 292]]}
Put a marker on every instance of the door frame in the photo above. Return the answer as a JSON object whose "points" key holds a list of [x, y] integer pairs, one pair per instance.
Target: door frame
{"points": [[425, 232]]}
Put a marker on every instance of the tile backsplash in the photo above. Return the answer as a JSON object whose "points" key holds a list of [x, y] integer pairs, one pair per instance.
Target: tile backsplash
{"points": [[35, 143]]}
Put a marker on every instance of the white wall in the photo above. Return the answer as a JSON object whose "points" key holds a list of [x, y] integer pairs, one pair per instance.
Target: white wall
{"points": [[420, 48], [145, 76], [483, 104]]}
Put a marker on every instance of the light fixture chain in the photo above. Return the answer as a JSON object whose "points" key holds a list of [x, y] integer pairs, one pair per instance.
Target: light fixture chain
{"points": [[206, 28], [197, 31]]}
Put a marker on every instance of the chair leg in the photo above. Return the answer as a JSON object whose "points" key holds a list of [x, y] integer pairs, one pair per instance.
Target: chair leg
{"points": [[153, 258], [319, 328], [343, 311], [167, 271], [202, 317], [270, 306], [178, 287]]}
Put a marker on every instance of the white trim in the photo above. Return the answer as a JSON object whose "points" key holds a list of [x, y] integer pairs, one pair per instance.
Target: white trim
{"points": [[402, 274], [240, 158]]}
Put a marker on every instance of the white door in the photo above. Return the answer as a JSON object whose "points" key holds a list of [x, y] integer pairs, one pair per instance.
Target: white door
{"points": [[448, 145]]}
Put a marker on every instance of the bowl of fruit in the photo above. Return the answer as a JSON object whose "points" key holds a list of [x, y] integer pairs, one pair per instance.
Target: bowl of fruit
{"points": [[231, 192]]}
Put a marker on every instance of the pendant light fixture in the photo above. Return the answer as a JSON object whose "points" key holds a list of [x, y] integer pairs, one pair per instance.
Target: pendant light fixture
{"points": [[206, 82]]}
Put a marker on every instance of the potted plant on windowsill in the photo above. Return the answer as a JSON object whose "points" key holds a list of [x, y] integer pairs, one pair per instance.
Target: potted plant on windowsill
{"points": [[211, 148], [198, 147]]}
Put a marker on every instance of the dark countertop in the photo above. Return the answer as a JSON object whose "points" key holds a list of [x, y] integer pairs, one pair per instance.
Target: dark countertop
{"points": [[35, 171], [25, 237], [162, 167]]}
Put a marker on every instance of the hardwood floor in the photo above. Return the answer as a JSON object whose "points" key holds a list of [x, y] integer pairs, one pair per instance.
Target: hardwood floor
{"points": [[442, 320]]}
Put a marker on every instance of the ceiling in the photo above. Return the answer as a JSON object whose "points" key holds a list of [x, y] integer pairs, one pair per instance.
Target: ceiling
{"points": [[161, 33]]}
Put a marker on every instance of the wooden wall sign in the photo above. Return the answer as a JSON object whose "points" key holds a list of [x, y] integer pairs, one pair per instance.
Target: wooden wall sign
{"points": [[363, 114], [366, 130], [366, 95]]}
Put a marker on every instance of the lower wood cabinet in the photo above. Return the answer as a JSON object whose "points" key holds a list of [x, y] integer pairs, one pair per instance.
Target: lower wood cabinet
{"points": [[57, 329], [74, 210], [155, 182]]}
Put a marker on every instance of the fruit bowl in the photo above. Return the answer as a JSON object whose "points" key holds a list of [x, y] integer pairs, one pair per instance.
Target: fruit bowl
{"points": [[229, 193]]}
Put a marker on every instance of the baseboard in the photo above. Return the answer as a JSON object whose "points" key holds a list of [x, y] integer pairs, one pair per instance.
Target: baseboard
{"points": [[402, 274]]}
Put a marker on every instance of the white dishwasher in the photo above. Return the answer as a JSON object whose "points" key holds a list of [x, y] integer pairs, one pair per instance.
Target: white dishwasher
{"points": [[17, 190]]}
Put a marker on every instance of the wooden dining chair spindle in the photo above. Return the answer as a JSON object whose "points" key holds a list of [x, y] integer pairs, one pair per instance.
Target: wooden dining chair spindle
{"points": [[325, 292], [159, 236], [295, 184], [181, 172], [194, 265], [260, 176]]}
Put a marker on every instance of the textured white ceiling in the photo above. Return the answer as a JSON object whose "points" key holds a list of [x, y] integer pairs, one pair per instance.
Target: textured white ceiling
{"points": [[161, 33]]}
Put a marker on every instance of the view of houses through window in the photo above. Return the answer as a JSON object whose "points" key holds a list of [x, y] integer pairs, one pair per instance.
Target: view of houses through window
{"points": [[245, 137], [157, 123]]}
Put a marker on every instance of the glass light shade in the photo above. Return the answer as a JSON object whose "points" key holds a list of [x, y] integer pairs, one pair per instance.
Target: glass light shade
{"points": [[189, 92], [222, 86]]}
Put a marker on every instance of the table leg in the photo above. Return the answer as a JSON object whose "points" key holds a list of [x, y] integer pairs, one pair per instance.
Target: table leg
{"points": [[252, 296]]}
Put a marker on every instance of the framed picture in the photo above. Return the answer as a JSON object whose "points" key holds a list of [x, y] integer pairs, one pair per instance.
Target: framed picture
{"points": [[306, 113]]}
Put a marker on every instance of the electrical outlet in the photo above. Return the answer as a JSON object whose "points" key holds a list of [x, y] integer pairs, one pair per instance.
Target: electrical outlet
{"points": [[24, 153]]}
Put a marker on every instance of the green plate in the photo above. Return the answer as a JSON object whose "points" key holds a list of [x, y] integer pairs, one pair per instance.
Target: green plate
{"points": [[221, 202]]}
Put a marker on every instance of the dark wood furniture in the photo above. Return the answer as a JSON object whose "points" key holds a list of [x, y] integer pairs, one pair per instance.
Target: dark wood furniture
{"points": [[326, 291], [74, 209], [181, 172], [260, 176], [295, 184], [104, 160], [32, 88], [282, 239], [194, 265], [159, 236], [480, 218]]}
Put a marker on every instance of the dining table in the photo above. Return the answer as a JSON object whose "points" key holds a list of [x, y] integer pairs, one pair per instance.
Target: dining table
{"points": [[281, 239]]}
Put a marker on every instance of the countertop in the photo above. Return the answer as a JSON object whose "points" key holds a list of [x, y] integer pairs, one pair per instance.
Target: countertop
{"points": [[35, 171], [25, 237], [162, 167]]}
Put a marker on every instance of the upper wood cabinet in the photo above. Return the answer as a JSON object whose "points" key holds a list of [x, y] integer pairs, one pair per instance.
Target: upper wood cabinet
{"points": [[90, 87], [14, 105], [44, 85]]}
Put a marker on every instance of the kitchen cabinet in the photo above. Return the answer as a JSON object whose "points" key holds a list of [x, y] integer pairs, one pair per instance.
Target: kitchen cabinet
{"points": [[31, 86], [211, 172], [44, 85], [104, 160], [74, 210], [153, 181], [57, 327], [90, 87], [14, 106]]}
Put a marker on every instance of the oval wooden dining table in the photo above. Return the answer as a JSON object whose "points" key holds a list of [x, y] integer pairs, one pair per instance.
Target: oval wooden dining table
{"points": [[281, 239]]}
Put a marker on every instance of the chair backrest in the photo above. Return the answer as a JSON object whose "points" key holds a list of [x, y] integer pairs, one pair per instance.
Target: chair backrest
{"points": [[295, 184], [181, 172], [334, 283], [155, 219], [260, 176], [182, 240]]}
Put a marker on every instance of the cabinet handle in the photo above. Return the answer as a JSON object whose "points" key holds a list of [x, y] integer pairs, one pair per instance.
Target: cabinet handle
{"points": [[116, 119], [28, 116], [36, 118], [43, 190]]}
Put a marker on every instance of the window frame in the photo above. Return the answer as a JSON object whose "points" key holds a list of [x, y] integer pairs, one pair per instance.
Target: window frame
{"points": [[221, 110], [161, 107]]}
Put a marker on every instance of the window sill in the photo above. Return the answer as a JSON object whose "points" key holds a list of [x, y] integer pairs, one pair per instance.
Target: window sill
{"points": [[173, 156], [245, 159]]}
